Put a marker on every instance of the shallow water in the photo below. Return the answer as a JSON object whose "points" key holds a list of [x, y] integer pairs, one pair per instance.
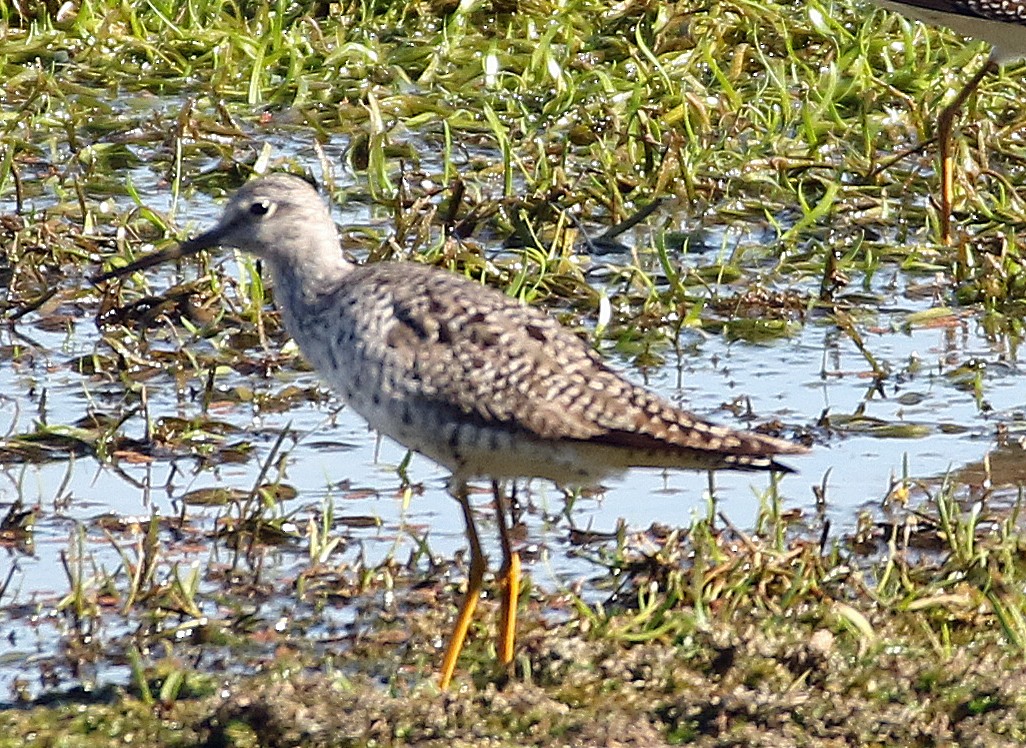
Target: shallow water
{"points": [[338, 462]]}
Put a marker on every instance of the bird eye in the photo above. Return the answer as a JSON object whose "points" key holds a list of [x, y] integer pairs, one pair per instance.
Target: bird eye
{"points": [[261, 208]]}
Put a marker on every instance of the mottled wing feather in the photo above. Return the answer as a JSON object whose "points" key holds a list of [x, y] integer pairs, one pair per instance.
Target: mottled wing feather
{"points": [[487, 357], [502, 362]]}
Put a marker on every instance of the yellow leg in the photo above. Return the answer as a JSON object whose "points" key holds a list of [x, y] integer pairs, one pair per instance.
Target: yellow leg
{"points": [[474, 581], [509, 580], [945, 127]]}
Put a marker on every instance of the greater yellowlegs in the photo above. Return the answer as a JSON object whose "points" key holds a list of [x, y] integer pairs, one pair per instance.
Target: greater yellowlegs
{"points": [[483, 385], [1001, 23]]}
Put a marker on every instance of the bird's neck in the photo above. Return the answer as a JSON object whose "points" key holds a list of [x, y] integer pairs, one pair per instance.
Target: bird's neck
{"points": [[302, 288]]}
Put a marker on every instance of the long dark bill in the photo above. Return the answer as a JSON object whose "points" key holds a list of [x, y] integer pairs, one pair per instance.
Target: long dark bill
{"points": [[187, 248]]}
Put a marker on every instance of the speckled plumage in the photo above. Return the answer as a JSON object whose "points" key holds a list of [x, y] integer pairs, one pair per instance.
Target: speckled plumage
{"points": [[488, 387], [464, 374], [483, 385]]}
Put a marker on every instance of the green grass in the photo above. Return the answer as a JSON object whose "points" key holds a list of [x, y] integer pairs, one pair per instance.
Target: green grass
{"points": [[711, 635], [736, 168], [793, 117]]}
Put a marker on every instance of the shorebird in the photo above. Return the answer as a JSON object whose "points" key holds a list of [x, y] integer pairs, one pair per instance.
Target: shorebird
{"points": [[1001, 23], [462, 373]]}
